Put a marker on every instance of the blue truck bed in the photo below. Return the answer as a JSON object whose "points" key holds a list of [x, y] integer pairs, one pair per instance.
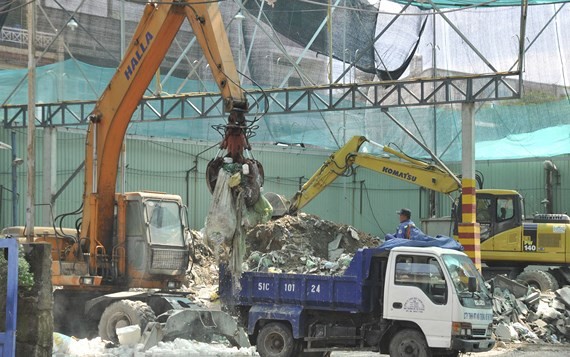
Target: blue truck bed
{"points": [[353, 291]]}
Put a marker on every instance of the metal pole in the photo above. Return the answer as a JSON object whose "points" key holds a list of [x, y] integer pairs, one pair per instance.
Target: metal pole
{"points": [[14, 182], [329, 26], [30, 196], [123, 159], [432, 195], [469, 231], [122, 17]]}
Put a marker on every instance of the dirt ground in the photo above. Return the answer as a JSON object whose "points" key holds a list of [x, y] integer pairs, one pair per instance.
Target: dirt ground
{"points": [[510, 350]]}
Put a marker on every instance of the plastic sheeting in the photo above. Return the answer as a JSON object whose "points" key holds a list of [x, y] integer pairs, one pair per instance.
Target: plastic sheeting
{"points": [[482, 3], [504, 130], [426, 241], [352, 39], [546, 142]]}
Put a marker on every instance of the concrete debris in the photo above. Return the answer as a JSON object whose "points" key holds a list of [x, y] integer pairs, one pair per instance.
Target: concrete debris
{"points": [[564, 295], [291, 259], [529, 316], [353, 233], [292, 244], [304, 244], [505, 332], [515, 288]]}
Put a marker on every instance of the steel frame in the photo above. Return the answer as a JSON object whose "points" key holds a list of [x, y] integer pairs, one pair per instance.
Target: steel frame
{"points": [[334, 97], [337, 97]]}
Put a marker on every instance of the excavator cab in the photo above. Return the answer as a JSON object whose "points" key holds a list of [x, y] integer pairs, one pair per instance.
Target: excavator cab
{"points": [[497, 211], [164, 222], [155, 240]]}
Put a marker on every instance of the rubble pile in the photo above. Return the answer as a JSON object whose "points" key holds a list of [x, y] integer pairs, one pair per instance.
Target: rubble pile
{"points": [[304, 244], [292, 244], [524, 314], [203, 268]]}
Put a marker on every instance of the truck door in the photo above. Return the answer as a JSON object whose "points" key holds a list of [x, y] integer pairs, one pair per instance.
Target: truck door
{"points": [[418, 292]]}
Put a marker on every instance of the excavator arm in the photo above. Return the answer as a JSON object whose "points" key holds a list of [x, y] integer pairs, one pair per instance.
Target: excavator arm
{"points": [[159, 25], [343, 160]]}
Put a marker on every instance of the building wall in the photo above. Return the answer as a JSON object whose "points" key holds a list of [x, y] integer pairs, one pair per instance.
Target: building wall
{"points": [[366, 200]]}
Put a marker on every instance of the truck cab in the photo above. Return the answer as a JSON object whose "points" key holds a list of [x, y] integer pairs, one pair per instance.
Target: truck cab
{"points": [[440, 292]]}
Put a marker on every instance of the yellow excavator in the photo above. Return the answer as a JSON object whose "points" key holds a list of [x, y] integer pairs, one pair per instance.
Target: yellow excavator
{"points": [[536, 252], [127, 258]]}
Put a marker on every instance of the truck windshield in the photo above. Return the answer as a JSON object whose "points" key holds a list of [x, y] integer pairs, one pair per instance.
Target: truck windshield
{"points": [[164, 222], [460, 268]]}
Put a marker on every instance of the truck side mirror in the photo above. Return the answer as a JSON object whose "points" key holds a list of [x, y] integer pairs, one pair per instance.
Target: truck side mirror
{"points": [[472, 284]]}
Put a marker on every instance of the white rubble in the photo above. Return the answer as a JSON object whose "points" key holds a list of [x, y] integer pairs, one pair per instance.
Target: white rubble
{"points": [[69, 347]]}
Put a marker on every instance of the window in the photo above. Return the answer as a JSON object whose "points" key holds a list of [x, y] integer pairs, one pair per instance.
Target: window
{"points": [[461, 269], [134, 219], [164, 223], [505, 210], [424, 273], [483, 210]]}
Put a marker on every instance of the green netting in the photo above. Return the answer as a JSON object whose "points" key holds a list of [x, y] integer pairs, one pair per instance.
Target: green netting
{"points": [[460, 3], [493, 31], [535, 127], [74, 80]]}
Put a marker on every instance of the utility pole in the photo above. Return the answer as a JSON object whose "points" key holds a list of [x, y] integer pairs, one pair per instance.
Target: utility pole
{"points": [[30, 196]]}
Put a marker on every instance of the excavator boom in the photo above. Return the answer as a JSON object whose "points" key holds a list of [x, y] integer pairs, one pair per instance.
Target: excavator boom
{"points": [[341, 161], [109, 120]]}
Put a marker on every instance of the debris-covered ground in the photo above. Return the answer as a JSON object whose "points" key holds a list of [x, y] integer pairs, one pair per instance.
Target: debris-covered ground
{"points": [[525, 314], [307, 244]]}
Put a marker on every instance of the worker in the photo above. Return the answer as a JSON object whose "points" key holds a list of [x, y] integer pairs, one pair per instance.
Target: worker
{"points": [[407, 228], [503, 214]]}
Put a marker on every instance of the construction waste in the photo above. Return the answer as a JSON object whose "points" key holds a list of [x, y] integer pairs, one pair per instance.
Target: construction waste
{"points": [[309, 245], [524, 314], [236, 206], [304, 244]]}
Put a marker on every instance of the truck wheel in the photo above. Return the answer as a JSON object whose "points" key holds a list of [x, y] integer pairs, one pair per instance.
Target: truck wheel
{"points": [[539, 279], [409, 343], [275, 340], [121, 314]]}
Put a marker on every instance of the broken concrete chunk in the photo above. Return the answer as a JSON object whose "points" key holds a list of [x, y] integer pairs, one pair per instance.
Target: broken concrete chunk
{"points": [[547, 313], [506, 332], [558, 305], [564, 295], [531, 317], [561, 326], [540, 324], [353, 233], [532, 298], [518, 289], [522, 307]]}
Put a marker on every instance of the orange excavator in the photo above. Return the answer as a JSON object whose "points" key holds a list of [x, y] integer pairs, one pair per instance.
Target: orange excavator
{"points": [[140, 240]]}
